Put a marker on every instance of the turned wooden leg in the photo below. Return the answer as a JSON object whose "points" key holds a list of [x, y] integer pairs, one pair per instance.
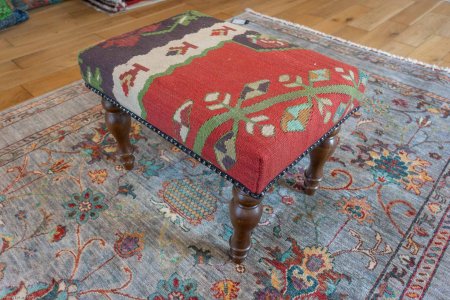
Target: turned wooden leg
{"points": [[318, 157], [119, 125], [245, 213]]}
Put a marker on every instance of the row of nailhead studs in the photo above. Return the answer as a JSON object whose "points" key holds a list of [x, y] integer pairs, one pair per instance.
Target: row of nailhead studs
{"points": [[309, 149], [208, 164]]}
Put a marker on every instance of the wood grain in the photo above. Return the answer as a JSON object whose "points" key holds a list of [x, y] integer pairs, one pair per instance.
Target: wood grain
{"points": [[13, 96], [433, 49], [339, 20], [397, 48], [52, 81], [39, 55], [414, 35], [415, 11], [376, 16], [383, 34]]}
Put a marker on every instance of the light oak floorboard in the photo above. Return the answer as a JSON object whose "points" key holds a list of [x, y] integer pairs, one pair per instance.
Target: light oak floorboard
{"points": [[377, 16], [433, 50], [8, 66], [415, 11], [383, 34], [397, 48], [13, 96], [446, 59], [351, 33], [443, 8], [341, 18], [52, 81], [40, 55], [414, 35]]}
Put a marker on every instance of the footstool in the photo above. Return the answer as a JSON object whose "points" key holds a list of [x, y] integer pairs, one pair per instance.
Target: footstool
{"points": [[246, 105]]}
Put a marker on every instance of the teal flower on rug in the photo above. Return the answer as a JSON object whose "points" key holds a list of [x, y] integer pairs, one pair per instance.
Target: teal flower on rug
{"points": [[397, 168], [201, 256], [298, 272], [355, 208], [389, 168], [176, 288], [85, 205], [150, 167]]}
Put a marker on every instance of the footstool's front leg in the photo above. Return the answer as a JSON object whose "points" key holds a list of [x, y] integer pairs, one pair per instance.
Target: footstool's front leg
{"points": [[318, 158], [245, 213], [119, 124]]}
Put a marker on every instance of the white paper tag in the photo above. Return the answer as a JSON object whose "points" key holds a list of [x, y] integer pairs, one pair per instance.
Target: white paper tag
{"points": [[240, 21]]}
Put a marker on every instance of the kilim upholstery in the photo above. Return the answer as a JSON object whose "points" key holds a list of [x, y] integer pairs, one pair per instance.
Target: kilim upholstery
{"points": [[245, 104]]}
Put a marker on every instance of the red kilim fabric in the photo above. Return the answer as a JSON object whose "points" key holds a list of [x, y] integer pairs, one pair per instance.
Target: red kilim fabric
{"points": [[247, 104]]}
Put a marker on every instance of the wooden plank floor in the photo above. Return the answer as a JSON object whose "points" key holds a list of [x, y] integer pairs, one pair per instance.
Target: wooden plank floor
{"points": [[39, 55]]}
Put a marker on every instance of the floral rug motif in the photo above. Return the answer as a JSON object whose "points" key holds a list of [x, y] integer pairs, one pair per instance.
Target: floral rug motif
{"points": [[75, 225]]}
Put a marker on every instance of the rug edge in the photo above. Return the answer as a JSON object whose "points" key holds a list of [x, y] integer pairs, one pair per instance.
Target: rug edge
{"points": [[14, 107], [304, 27]]}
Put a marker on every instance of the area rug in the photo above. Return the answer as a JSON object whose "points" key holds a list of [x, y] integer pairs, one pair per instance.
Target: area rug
{"points": [[75, 225], [114, 6]]}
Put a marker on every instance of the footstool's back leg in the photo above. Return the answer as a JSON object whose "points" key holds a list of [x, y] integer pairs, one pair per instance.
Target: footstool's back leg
{"points": [[245, 213], [318, 158], [119, 124]]}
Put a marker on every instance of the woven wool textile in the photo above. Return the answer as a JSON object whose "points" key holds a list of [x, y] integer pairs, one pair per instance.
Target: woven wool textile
{"points": [[247, 103], [377, 229], [114, 6], [9, 16], [32, 4]]}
